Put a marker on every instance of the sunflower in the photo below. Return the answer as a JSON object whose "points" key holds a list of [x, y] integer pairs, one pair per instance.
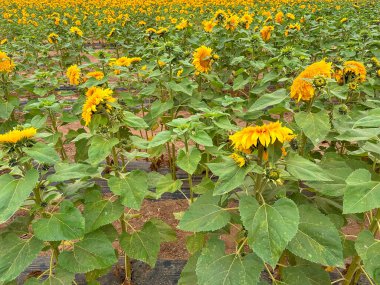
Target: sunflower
{"points": [[202, 59], [263, 135], [208, 25], [98, 75], [6, 64], [183, 25], [17, 135], [232, 22], [279, 17], [238, 159], [53, 38], [303, 89], [246, 21], [266, 32], [354, 69], [76, 31], [96, 99], [220, 16], [73, 74]]}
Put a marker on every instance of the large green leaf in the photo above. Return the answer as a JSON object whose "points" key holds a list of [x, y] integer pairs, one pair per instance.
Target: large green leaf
{"points": [[66, 171], [100, 148], [132, 188], [315, 126], [42, 153], [338, 170], [354, 135], [231, 176], [60, 277], [185, 86], [67, 224], [13, 192], [304, 169], [16, 254], [189, 161], [362, 194], [166, 184], [368, 249], [214, 267], [270, 99], [134, 121], [95, 251], [317, 239], [160, 139], [204, 215], [99, 212], [6, 109], [306, 275], [143, 245], [201, 137], [270, 227], [188, 274]]}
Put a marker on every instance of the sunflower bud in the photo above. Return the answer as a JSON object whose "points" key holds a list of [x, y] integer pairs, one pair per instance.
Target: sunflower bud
{"points": [[273, 174], [343, 110], [294, 144], [353, 85], [319, 82]]}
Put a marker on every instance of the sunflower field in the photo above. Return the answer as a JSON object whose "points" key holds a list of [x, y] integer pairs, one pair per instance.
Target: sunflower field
{"points": [[241, 137]]}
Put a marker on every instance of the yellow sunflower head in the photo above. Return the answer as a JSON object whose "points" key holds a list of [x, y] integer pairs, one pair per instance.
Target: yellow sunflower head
{"points": [[202, 59], [266, 32], [354, 70], [73, 74], [97, 99], [302, 87], [17, 135], [53, 38], [6, 64]]}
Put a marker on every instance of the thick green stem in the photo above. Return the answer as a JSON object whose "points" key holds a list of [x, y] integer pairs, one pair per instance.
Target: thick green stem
{"points": [[127, 262]]}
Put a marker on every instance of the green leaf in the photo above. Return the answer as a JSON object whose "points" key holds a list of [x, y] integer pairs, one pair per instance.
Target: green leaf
{"points": [[304, 169], [306, 275], [185, 86], [189, 161], [60, 277], [267, 100], [368, 249], [362, 194], [142, 245], [231, 176], [338, 170], [214, 267], [354, 135], [99, 212], [100, 148], [132, 188], [167, 185], [317, 239], [160, 139], [67, 224], [195, 242], [42, 153], [201, 137], [265, 222], [188, 274], [204, 215], [66, 171], [6, 109], [134, 121], [95, 251], [240, 82], [16, 254], [315, 126], [14, 192], [166, 232]]}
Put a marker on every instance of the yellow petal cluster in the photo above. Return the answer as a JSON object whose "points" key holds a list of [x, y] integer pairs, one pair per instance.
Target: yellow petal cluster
{"points": [[238, 159], [17, 135], [6, 64], [266, 33], [73, 74], [302, 88], [96, 97], [98, 75], [356, 68], [202, 59], [263, 135]]}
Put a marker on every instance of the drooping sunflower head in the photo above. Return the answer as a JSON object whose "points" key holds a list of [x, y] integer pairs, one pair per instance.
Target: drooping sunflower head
{"points": [[354, 70], [266, 32], [98, 75], [202, 59], [6, 64], [97, 99], [53, 38], [265, 135], [17, 135], [302, 87], [76, 31], [73, 74]]}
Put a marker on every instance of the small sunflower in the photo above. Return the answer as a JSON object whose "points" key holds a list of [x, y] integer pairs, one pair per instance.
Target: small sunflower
{"points": [[15, 136], [266, 32], [6, 64], [97, 99], [73, 74], [202, 59]]}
